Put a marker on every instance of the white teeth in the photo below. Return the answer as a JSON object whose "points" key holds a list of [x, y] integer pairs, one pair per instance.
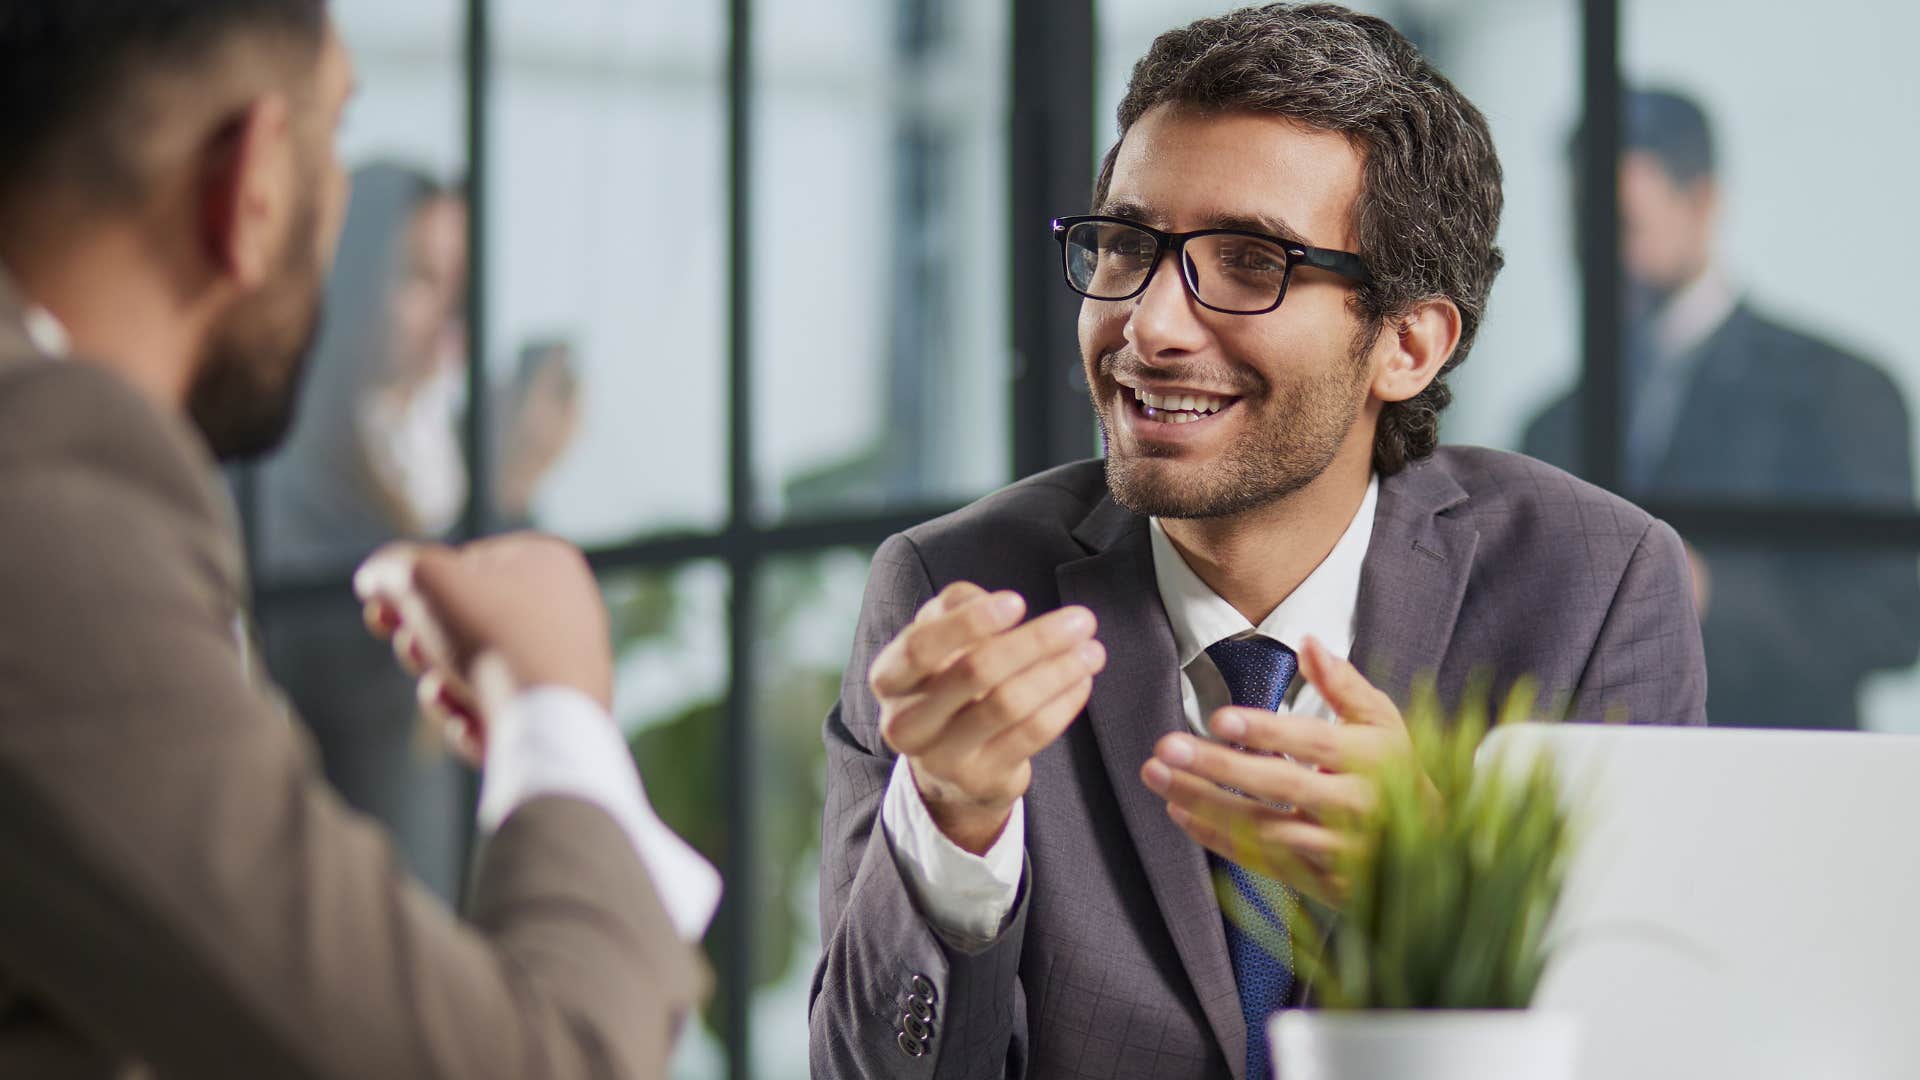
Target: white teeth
{"points": [[1181, 403]]}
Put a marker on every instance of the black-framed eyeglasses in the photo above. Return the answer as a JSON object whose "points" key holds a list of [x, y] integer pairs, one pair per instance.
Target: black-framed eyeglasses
{"points": [[1231, 271]]}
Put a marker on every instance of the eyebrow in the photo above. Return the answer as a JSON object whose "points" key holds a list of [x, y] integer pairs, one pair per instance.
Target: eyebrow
{"points": [[1269, 224]]}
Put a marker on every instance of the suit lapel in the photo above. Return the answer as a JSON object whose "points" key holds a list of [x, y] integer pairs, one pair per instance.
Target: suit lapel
{"points": [[1133, 704], [1414, 578]]}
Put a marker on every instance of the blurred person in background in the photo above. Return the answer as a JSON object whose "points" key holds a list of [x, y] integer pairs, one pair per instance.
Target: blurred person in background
{"points": [[379, 453], [185, 896], [1726, 404], [542, 410]]}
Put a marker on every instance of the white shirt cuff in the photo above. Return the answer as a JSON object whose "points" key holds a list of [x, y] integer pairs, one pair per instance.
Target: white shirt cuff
{"points": [[558, 741], [965, 896]]}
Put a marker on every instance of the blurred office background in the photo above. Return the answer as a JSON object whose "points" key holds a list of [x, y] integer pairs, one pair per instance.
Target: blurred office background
{"points": [[729, 290]]}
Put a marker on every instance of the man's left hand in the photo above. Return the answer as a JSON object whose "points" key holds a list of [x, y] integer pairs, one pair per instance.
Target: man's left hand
{"points": [[1324, 780]]}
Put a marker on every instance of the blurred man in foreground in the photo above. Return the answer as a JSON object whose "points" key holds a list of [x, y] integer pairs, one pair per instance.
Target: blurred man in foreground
{"points": [[183, 892]]}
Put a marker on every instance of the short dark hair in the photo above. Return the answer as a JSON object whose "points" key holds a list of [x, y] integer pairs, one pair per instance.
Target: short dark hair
{"points": [[1429, 208], [71, 74], [1673, 128]]}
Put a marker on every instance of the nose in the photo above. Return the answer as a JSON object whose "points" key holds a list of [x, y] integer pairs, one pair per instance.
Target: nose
{"points": [[1166, 319]]}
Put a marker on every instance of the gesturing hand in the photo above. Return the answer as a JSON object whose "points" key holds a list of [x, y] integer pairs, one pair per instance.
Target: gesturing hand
{"points": [[969, 693], [1325, 778], [524, 607]]}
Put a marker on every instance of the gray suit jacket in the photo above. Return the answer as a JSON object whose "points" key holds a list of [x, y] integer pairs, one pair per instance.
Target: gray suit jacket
{"points": [[1114, 962], [181, 888]]}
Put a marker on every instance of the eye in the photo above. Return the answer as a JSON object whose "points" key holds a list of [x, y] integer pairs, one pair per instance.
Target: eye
{"points": [[1252, 256]]}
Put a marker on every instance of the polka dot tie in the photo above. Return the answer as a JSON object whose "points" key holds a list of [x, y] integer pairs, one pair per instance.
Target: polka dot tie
{"points": [[1257, 671]]}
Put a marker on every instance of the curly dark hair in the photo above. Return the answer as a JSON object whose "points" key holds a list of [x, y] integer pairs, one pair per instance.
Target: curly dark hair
{"points": [[1429, 208]]}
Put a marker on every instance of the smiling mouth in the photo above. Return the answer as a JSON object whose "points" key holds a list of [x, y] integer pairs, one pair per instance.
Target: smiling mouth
{"points": [[1178, 408]]}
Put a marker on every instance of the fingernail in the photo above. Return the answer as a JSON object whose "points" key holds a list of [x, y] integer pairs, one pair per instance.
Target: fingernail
{"points": [[1079, 620], [1008, 606], [1093, 655], [1177, 751], [1156, 776], [1229, 725]]}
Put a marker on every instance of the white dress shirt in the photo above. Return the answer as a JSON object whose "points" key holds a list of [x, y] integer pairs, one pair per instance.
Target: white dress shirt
{"points": [[967, 897], [558, 741], [552, 741]]}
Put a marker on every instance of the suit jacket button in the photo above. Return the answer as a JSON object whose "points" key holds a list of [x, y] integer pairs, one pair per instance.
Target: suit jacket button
{"points": [[915, 1027], [922, 987], [910, 1046], [919, 1007]]}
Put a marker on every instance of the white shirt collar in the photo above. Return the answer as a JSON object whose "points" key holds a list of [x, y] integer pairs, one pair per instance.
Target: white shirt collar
{"points": [[1693, 314], [45, 331], [1322, 606]]}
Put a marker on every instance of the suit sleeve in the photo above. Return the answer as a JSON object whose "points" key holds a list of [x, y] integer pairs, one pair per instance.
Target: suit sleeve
{"points": [[880, 950], [184, 888], [1647, 665]]}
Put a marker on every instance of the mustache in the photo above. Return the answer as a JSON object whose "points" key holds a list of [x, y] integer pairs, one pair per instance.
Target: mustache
{"points": [[1123, 364]]}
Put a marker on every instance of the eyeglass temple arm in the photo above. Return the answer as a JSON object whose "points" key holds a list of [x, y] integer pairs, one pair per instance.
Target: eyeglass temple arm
{"points": [[1344, 263]]}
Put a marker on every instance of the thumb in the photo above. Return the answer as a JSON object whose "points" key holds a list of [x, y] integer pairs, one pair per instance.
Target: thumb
{"points": [[1354, 699], [494, 685]]}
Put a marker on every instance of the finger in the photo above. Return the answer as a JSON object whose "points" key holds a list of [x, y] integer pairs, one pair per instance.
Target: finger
{"points": [[1309, 740], [387, 573], [1050, 685], [447, 712], [1354, 699], [1298, 853], [1003, 767], [1039, 731], [1244, 836], [381, 617], [407, 650], [948, 599], [1193, 767], [925, 647], [1054, 647]]}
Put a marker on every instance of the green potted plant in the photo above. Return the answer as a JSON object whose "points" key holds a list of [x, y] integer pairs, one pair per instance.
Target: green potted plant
{"points": [[1451, 880]]}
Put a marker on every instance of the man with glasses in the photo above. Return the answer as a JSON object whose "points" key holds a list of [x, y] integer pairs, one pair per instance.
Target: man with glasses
{"points": [[1293, 245]]}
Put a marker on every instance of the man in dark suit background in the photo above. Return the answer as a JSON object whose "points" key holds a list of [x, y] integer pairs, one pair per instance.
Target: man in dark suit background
{"points": [[1293, 243], [1725, 404], [184, 896]]}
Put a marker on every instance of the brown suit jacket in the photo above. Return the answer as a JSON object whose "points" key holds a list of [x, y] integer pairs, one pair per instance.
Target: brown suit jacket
{"points": [[183, 894]]}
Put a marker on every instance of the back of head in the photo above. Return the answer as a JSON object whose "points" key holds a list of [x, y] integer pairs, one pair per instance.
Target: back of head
{"points": [[1429, 210], [91, 90]]}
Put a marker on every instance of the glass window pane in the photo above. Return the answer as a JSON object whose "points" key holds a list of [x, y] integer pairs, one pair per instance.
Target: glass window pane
{"points": [[1802, 636], [880, 324], [803, 633], [670, 689], [1519, 62], [606, 277], [1768, 355]]}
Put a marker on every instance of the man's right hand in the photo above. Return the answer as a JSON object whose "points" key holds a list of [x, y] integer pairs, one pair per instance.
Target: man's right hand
{"points": [[969, 693], [528, 601]]}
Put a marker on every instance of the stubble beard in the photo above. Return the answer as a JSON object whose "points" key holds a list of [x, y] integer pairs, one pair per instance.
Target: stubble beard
{"points": [[1296, 436]]}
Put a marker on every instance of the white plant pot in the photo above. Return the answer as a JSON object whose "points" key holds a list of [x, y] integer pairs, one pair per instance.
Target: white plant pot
{"points": [[1509, 1044]]}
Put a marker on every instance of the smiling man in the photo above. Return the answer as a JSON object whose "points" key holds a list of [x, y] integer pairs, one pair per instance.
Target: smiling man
{"points": [[1057, 693]]}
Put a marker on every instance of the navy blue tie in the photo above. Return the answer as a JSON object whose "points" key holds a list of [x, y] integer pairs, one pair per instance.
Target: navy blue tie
{"points": [[1257, 671]]}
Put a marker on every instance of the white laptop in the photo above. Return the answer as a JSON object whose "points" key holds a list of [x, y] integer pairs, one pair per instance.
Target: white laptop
{"points": [[1746, 904]]}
